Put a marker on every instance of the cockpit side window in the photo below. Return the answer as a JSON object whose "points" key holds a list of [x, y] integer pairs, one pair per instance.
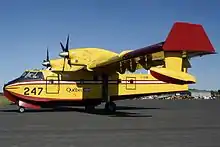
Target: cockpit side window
{"points": [[24, 74], [32, 75], [39, 75]]}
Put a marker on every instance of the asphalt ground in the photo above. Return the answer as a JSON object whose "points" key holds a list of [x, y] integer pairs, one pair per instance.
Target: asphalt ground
{"points": [[137, 123]]}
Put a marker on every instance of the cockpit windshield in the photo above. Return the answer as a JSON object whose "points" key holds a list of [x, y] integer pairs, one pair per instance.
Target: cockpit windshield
{"points": [[32, 75]]}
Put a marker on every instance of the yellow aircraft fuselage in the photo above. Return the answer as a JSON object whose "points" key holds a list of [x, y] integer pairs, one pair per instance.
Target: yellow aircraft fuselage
{"points": [[42, 86]]}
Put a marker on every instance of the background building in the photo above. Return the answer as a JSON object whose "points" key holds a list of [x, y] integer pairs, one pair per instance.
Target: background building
{"points": [[200, 94]]}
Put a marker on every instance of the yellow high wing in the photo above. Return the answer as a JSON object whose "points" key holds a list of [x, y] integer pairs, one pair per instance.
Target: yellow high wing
{"points": [[167, 58], [98, 59], [130, 60]]}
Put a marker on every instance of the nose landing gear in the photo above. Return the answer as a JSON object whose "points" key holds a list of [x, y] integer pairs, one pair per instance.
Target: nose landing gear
{"points": [[21, 109], [22, 106]]}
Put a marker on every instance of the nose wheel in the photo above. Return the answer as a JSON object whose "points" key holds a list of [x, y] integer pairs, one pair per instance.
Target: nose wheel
{"points": [[21, 109]]}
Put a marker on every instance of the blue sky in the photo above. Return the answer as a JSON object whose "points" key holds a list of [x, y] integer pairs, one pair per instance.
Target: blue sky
{"points": [[28, 27]]}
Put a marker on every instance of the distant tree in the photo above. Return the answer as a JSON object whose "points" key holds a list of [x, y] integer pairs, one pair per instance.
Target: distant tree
{"points": [[219, 91]]}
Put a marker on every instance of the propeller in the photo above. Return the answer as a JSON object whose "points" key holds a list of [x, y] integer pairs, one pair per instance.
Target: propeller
{"points": [[65, 52], [46, 62]]}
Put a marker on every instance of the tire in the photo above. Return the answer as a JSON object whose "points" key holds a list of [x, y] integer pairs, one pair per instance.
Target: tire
{"points": [[110, 107], [21, 109]]}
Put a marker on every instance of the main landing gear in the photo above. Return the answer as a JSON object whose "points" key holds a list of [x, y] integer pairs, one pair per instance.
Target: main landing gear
{"points": [[110, 106]]}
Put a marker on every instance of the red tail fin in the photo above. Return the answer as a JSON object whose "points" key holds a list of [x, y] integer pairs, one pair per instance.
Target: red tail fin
{"points": [[188, 37]]}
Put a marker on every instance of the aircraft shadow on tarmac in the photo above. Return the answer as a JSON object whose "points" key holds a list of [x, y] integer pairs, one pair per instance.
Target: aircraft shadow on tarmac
{"points": [[98, 111]]}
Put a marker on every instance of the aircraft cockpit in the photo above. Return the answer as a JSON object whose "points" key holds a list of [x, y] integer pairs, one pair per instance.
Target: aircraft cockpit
{"points": [[28, 75]]}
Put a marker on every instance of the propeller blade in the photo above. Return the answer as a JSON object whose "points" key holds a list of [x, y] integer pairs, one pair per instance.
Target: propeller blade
{"points": [[47, 55], [62, 47], [65, 53], [46, 62], [67, 44]]}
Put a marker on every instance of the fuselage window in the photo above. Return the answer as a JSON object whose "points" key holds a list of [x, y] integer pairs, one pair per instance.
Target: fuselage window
{"points": [[40, 75]]}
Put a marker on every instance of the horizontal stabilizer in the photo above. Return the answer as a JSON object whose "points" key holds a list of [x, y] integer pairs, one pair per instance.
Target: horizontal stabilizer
{"points": [[170, 76]]}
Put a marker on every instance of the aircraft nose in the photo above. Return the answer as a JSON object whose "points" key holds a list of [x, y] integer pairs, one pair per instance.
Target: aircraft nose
{"points": [[8, 84], [12, 82], [7, 93], [4, 86]]}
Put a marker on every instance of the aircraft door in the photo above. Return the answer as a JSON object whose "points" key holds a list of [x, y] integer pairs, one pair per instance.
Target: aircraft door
{"points": [[131, 83], [52, 85]]}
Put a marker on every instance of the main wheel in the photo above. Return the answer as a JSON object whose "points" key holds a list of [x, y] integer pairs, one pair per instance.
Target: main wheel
{"points": [[110, 107], [21, 109]]}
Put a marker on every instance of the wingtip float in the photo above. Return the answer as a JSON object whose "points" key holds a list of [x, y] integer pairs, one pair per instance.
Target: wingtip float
{"points": [[90, 76]]}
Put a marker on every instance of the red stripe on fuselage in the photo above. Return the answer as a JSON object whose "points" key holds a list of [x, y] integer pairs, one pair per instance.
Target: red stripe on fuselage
{"points": [[88, 82], [9, 96], [43, 99]]}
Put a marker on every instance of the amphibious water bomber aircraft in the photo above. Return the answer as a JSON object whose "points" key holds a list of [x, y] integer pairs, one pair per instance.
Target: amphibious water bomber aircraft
{"points": [[90, 76]]}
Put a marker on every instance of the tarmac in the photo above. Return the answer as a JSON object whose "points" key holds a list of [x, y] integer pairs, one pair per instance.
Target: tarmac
{"points": [[137, 123]]}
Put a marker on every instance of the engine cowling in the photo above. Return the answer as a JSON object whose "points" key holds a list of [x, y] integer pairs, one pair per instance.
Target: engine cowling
{"points": [[132, 65], [145, 62], [122, 67]]}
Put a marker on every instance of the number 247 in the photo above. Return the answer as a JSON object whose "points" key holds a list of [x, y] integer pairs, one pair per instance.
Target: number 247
{"points": [[35, 91]]}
